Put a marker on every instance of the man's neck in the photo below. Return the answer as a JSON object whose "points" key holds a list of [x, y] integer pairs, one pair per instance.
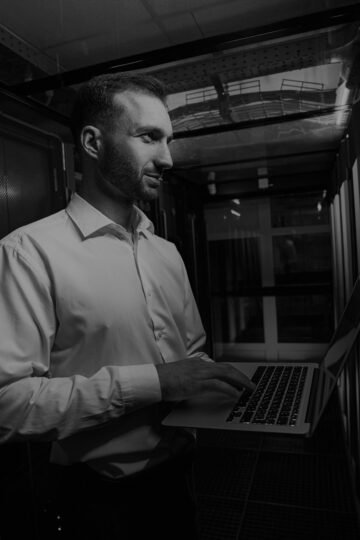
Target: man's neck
{"points": [[118, 211]]}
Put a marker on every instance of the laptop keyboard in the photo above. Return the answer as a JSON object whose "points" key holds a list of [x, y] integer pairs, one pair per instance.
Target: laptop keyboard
{"points": [[276, 398]]}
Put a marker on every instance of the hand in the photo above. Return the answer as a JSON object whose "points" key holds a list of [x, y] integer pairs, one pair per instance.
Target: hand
{"points": [[188, 378]]}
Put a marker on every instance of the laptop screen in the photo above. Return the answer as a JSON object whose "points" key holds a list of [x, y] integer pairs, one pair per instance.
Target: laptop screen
{"points": [[338, 351]]}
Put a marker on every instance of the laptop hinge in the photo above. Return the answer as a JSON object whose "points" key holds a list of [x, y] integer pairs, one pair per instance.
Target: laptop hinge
{"points": [[311, 405]]}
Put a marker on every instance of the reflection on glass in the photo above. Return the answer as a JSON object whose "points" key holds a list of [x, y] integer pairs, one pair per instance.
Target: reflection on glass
{"points": [[299, 210], [238, 320], [234, 264], [302, 258], [304, 319]]}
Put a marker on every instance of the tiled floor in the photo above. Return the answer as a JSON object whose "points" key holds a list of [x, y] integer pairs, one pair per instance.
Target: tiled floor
{"points": [[254, 487]]}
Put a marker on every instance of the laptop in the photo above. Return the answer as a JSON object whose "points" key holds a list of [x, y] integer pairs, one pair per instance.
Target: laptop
{"points": [[289, 397]]}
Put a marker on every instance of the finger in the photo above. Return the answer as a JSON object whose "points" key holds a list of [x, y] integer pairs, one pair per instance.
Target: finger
{"points": [[234, 376], [220, 389]]}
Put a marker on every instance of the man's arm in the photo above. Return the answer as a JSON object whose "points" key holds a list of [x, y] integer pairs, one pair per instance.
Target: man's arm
{"points": [[32, 403]]}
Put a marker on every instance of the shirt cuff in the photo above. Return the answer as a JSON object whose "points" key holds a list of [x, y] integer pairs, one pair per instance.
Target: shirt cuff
{"points": [[140, 386], [202, 355]]}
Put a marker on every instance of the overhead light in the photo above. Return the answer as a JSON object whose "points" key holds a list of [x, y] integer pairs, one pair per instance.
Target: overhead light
{"points": [[211, 183], [263, 180], [235, 213], [263, 183], [236, 201], [262, 171]]}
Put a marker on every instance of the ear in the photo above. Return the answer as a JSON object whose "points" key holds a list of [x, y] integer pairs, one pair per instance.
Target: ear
{"points": [[91, 141]]}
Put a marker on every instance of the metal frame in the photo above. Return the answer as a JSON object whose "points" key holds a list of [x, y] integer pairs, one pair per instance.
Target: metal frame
{"points": [[236, 126], [356, 190], [34, 105], [253, 160]]}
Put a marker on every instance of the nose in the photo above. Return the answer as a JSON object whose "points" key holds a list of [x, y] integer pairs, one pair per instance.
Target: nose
{"points": [[164, 159]]}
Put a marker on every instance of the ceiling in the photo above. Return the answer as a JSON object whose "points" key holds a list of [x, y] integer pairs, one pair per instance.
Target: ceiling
{"points": [[259, 89]]}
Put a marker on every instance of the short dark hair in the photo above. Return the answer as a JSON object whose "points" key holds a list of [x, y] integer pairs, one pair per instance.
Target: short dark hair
{"points": [[94, 100]]}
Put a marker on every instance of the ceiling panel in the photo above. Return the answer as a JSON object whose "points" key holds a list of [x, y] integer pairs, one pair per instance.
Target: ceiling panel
{"points": [[38, 19], [236, 16], [110, 44], [166, 7], [179, 26], [49, 25]]}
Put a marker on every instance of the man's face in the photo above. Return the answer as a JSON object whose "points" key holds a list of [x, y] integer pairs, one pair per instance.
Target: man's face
{"points": [[135, 151]]}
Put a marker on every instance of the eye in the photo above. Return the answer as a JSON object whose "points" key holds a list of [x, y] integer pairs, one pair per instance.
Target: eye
{"points": [[149, 137]]}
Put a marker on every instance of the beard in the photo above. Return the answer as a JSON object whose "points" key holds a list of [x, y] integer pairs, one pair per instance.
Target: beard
{"points": [[120, 178]]}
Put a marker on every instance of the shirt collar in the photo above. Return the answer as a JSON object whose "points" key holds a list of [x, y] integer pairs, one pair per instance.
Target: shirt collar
{"points": [[91, 221]]}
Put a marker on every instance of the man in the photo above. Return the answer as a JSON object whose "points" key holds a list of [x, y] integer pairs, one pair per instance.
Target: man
{"points": [[100, 330]]}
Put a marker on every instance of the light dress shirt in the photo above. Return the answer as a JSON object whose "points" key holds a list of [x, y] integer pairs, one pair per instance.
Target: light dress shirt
{"points": [[86, 312]]}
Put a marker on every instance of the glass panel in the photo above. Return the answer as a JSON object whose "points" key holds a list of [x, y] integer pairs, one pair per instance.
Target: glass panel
{"points": [[234, 251], [238, 320], [302, 258], [247, 254], [309, 209], [303, 90], [305, 319], [234, 218], [234, 264], [233, 231]]}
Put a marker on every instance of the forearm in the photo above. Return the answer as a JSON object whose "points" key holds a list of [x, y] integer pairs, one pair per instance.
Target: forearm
{"points": [[49, 409]]}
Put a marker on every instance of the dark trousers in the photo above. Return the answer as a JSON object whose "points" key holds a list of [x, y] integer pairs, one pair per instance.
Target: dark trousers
{"points": [[158, 503]]}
